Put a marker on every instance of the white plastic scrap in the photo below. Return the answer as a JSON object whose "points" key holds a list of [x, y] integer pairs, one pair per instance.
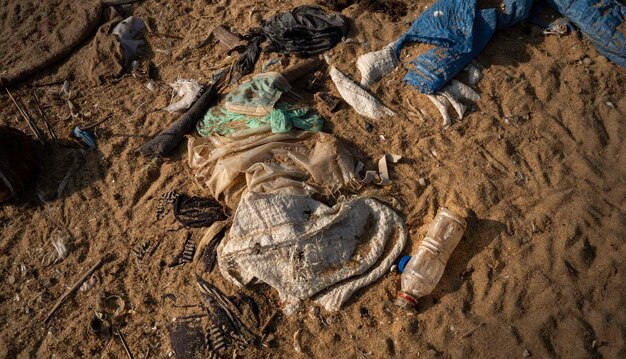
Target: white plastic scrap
{"points": [[303, 248], [362, 101], [130, 33], [475, 74], [188, 91], [452, 94], [383, 170], [377, 64]]}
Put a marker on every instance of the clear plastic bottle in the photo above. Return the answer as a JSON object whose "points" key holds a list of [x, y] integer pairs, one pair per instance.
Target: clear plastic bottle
{"points": [[425, 268]]}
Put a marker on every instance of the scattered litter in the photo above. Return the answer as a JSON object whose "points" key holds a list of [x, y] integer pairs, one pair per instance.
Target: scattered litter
{"points": [[130, 34], [150, 85], [253, 104], [225, 316], [376, 64], [296, 341], [424, 269], [475, 74], [362, 101], [268, 63], [89, 283], [305, 31], [196, 212], [86, 137], [452, 94], [75, 287], [558, 27], [188, 341], [187, 253], [381, 177], [209, 242], [188, 91], [166, 199], [58, 240], [166, 141], [331, 102], [100, 327], [261, 161], [65, 89]]}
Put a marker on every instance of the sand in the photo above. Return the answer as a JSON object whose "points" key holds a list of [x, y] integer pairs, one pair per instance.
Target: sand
{"points": [[539, 162]]}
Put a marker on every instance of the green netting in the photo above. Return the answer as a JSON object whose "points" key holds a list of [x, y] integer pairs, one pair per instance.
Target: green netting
{"points": [[252, 104], [224, 122]]}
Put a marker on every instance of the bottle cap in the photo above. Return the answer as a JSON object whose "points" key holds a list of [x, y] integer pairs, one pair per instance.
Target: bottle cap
{"points": [[403, 261], [405, 301]]}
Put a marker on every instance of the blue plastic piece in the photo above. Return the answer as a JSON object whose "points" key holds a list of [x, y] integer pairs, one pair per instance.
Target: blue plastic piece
{"points": [[461, 31], [85, 136], [403, 261], [599, 21]]}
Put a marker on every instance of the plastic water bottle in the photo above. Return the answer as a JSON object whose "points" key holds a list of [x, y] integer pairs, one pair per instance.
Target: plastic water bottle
{"points": [[424, 269]]}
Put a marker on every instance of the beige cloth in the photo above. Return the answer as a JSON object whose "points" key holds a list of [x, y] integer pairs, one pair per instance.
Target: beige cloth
{"points": [[280, 234], [261, 161]]}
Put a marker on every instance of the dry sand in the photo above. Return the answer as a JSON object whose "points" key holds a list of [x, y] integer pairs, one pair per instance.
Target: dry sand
{"points": [[539, 162]]}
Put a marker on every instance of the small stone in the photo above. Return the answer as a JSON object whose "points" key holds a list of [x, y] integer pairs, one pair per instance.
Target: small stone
{"points": [[610, 104], [594, 344], [526, 353], [587, 61], [382, 138], [422, 181]]}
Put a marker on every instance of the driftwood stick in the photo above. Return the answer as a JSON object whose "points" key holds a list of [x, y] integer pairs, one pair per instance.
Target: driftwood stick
{"points": [[75, 287], [126, 348], [269, 321], [25, 116], [44, 117], [166, 141], [471, 331]]}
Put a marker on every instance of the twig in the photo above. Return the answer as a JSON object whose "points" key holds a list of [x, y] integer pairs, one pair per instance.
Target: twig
{"points": [[471, 331], [192, 316], [128, 352], [28, 120], [269, 321], [44, 117], [75, 287]]}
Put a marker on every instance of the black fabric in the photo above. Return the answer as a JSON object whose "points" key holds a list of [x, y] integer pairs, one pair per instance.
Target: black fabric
{"points": [[305, 31], [197, 212]]}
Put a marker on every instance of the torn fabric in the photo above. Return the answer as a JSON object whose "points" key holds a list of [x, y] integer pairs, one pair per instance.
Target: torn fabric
{"points": [[188, 91], [283, 236], [130, 33], [362, 101], [302, 247], [252, 105], [305, 31], [258, 160], [602, 21]]}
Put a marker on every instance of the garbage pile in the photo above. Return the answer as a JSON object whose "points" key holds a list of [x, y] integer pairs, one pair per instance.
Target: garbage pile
{"points": [[284, 202]]}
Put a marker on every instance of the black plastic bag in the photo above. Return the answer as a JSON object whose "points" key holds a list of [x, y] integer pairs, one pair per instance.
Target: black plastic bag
{"points": [[305, 31]]}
